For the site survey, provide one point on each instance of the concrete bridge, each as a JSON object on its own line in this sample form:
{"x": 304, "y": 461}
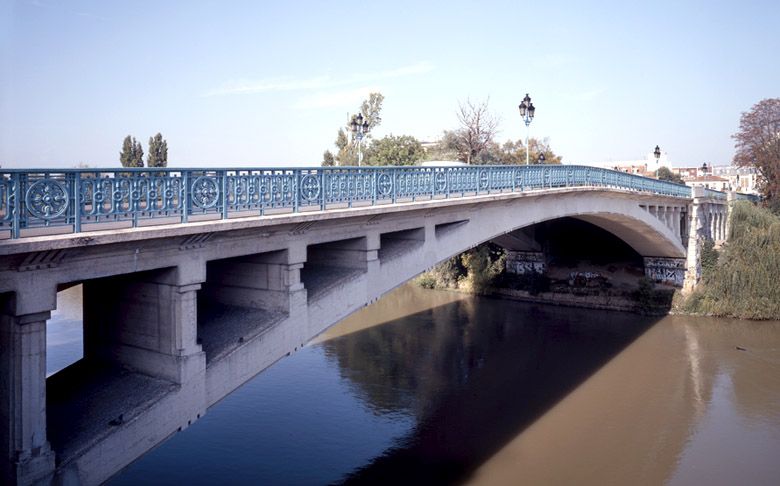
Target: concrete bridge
{"x": 196, "y": 280}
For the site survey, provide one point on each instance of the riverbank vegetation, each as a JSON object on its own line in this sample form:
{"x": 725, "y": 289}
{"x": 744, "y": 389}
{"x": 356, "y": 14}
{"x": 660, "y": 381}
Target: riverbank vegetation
{"x": 742, "y": 279}
{"x": 481, "y": 271}
{"x": 474, "y": 271}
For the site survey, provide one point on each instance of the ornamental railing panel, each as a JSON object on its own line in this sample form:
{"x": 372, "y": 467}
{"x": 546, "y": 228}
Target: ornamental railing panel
{"x": 77, "y": 200}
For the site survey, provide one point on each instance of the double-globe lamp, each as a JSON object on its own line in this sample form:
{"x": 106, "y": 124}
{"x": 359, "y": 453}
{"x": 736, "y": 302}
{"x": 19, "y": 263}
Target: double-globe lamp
{"x": 359, "y": 128}
{"x": 527, "y": 110}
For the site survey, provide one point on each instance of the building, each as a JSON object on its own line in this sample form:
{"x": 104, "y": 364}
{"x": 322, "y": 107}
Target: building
{"x": 721, "y": 178}
{"x": 644, "y": 167}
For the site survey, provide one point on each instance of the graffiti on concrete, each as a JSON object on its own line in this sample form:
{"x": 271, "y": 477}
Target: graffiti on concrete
{"x": 665, "y": 270}
{"x": 521, "y": 262}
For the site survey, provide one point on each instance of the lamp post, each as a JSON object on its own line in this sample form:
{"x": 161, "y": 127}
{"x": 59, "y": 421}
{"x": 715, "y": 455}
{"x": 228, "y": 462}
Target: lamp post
{"x": 359, "y": 129}
{"x": 657, "y": 153}
{"x": 527, "y": 114}
{"x": 541, "y": 158}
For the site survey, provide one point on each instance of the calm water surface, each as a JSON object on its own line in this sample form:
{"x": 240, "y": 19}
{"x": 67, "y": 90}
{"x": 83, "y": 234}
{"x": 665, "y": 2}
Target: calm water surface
{"x": 435, "y": 387}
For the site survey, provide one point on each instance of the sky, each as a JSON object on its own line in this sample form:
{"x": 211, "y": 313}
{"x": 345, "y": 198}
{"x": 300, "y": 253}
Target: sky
{"x": 268, "y": 83}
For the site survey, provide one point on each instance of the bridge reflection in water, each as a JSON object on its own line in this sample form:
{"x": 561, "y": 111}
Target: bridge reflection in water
{"x": 434, "y": 387}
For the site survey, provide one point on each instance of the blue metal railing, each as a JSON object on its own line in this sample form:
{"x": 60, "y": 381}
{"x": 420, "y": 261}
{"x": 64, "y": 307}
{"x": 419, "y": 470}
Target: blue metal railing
{"x": 754, "y": 198}
{"x": 83, "y": 199}
{"x": 712, "y": 193}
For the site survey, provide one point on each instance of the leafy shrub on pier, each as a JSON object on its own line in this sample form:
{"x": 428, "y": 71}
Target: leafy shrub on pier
{"x": 744, "y": 282}
{"x": 483, "y": 265}
{"x": 709, "y": 257}
{"x": 475, "y": 270}
{"x": 443, "y": 276}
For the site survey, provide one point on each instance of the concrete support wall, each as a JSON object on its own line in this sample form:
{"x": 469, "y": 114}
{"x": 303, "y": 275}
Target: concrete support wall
{"x": 25, "y": 454}
{"x": 147, "y": 322}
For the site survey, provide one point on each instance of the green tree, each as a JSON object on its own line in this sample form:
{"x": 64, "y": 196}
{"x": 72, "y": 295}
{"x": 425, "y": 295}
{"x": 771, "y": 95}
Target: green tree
{"x": 758, "y": 145}
{"x": 665, "y": 174}
{"x": 327, "y": 159}
{"x": 392, "y": 150}
{"x": 347, "y": 152}
{"x": 158, "y": 152}
{"x": 371, "y": 109}
{"x": 132, "y": 154}
{"x": 445, "y": 149}
{"x": 513, "y": 152}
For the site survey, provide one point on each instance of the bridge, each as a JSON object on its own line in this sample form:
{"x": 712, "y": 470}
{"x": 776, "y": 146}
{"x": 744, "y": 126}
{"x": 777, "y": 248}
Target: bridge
{"x": 195, "y": 280}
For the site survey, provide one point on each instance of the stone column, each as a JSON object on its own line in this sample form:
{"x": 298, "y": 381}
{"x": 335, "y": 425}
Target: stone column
{"x": 696, "y": 233}
{"x": 26, "y": 454}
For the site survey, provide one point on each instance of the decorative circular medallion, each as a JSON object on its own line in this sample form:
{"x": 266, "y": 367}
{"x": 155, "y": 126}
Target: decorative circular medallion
{"x": 384, "y": 184}
{"x": 310, "y": 187}
{"x": 484, "y": 179}
{"x": 205, "y": 192}
{"x": 46, "y": 198}
{"x": 440, "y": 181}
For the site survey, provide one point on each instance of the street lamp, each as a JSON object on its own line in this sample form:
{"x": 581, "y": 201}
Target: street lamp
{"x": 359, "y": 129}
{"x": 657, "y": 153}
{"x": 541, "y": 158}
{"x": 527, "y": 114}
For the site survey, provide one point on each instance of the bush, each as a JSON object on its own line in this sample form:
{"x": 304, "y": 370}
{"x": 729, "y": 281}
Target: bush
{"x": 483, "y": 265}
{"x": 475, "y": 270}
{"x": 744, "y": 280}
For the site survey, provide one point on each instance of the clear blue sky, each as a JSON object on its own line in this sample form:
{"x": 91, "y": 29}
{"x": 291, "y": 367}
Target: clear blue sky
{"x": 269, "y": 83}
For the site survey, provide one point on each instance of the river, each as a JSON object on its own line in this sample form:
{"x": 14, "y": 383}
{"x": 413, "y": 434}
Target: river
{"x": 439, "y": 387}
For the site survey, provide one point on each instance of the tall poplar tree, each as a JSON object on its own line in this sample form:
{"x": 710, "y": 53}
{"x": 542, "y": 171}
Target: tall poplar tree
{"x": 158, "y": 152}
{"x": 132, "y": 154}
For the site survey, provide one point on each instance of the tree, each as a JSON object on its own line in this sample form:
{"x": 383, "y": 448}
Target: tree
{"x": 513, "y": 153}
{"x": 347, "y": 153}
{"x": 477, "y": 129}
{"x": 132, "y": 154}
{"x": 392, "y": 150}
{"x": 758, "y": 145}
{"x": 665, "y": 174}
{"x": 327, "y": 159}
{"x": 371, "y": 110}
{"x": 158, "y": 152}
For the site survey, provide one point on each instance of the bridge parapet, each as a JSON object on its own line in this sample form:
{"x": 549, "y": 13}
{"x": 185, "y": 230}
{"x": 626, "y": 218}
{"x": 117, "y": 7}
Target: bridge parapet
{"x": 79, "y": 200}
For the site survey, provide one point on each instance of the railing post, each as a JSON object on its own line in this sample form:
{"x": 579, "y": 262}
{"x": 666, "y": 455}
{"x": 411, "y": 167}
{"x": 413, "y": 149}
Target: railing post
{"x": 373, "y": 186}
{"x": 16, "y": 194}
{"x": 224, "y": 194}
{"x": 322, "y": 189}
{"x": 77, "y": 202}
{"x": 395, "y": 186}
{"x": 184, "y": 198}
{"x": 296, "y": 189}
{"x": 133, "y": 204}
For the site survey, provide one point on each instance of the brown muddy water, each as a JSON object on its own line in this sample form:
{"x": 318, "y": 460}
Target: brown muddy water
{"x": 430, "y": 387}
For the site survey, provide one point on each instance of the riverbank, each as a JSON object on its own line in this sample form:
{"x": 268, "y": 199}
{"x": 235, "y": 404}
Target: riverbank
{"x": 741, "y": 279}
